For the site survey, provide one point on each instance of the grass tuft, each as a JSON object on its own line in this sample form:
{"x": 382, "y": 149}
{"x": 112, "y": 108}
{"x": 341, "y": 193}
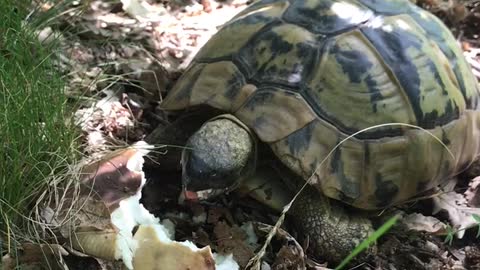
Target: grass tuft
{"x": 36, "y": 140}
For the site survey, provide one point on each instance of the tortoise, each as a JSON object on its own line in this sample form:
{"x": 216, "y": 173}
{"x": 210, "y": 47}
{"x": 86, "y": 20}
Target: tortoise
{"x": 370, "y": 101}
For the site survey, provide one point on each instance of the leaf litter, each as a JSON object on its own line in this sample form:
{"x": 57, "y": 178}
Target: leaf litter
{"x": 123, "y": 56}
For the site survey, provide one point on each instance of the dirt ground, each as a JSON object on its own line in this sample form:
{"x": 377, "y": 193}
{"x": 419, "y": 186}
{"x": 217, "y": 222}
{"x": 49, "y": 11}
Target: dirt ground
{"x": 129, "y": 53}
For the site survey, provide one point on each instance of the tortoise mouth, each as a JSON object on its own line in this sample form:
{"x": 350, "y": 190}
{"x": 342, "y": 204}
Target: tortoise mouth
{"x": 199, "y": 195}
{"x": 195, "y": 191}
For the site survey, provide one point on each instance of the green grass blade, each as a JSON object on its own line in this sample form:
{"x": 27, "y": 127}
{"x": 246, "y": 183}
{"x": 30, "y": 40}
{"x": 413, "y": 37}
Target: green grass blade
{"x": 36, "y": 139}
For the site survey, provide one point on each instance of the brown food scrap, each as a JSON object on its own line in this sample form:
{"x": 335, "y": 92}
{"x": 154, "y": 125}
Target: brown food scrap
{"x": 110, "y": 178}
{"x": 291, "y": 254}
{"x": 152, "y": 253}
{"x": 233, "y": 240}
{"x": 466, "y": 46}
{"x": 207, "y": 6}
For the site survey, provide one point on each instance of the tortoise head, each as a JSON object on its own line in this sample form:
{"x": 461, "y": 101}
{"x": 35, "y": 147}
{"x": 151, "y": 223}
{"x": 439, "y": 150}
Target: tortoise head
{"x": 217, "y": 157}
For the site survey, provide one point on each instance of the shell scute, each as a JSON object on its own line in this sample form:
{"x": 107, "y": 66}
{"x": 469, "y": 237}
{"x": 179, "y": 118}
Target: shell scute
{"x": 372, "y": 174}
{"x": 454, "y": 62}
{"x": 327, "y": 16}
{"x": 262, "y": 110}
{"x": 237, "y": 33}
{"x": 351, "y": 74}
{"x": 219, "y": 84}
{"x": 419, "y": 66}
{"x": 283, "y": 54}
{"x": 388, "y": 7}
{"x": 179, "y": 97}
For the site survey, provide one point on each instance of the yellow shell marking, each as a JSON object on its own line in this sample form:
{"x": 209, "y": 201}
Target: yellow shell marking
{"x": 235, "y": 35}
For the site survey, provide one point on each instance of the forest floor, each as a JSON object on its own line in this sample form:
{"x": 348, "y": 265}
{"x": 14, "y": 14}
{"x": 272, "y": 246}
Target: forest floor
{"x": 120, "y": 58}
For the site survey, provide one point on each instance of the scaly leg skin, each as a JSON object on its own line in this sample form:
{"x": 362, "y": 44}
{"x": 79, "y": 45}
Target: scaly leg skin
{"x": 333, "y": 233}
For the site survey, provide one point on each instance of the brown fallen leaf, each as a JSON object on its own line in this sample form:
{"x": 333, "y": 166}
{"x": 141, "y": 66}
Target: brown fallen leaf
{"x": 142, "y": 10}
{"x": 215, "y": 214}
{"x": 43, "y": 256}
{"x": 108, "y": 115}
{"x": 291, "y": 254}
{"x": 455, "y": 10}
{"x": 201, "y": 237}
{"x": 232, "y": 239}
{"x": 288, "y": 258}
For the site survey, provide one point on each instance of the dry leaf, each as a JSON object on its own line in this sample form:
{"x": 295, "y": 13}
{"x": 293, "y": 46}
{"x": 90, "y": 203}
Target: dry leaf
{"x": 215, "y": 214}
{"x": 291, "y": 255}
{"x": 288, "y": 258}
{"x": 225, "y": 262}
{"x": 472, "y": 194}
{"x": 460, "y": 215}
{"x": 419, "y": 222}
{"x": 233, "y": 240}
{"x": 472, "y": 58}
{"x": 143, "y": 11}
{"x": 108, "y": 115}
{"x": 44, "y": 256}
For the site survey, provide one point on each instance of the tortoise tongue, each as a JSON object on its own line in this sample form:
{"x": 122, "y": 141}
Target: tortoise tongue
{"x": 188, "y": 196}
{"x": 201, "y": 195}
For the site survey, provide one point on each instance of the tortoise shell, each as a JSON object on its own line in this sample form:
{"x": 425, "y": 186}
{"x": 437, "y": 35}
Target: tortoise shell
{"x": 323, "y": 82}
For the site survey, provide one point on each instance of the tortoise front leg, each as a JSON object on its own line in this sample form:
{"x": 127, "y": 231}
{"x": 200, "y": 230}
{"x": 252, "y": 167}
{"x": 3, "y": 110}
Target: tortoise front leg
{"x": 332, "y": 232}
